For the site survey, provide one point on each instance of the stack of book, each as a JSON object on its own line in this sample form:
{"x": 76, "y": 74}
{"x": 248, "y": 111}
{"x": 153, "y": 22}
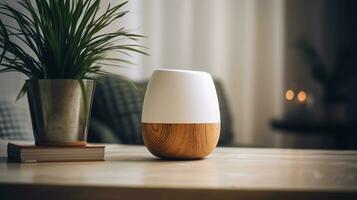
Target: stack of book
{"x": 32, "y": 153}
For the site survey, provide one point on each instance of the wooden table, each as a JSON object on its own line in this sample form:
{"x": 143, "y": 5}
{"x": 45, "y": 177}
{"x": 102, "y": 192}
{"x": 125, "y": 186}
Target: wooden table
{"x": 130, "y": 172}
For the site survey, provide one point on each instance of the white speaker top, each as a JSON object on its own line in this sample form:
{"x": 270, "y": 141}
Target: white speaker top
{"x": 180, "y": 96}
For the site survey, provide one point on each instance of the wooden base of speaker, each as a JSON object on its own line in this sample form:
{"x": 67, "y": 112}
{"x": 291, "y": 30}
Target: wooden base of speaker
{"x": 180, "y": 141}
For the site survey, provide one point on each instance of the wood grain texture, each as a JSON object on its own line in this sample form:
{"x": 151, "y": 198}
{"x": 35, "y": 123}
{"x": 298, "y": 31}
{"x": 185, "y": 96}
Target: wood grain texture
{"x": 131, "y": 172}
{"x": 180, "y": 141}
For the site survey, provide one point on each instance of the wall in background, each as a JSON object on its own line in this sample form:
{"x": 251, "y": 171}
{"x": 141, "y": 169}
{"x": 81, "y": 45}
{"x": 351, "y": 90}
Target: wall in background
{"x": 328, "y": 24}
{"x": 239, "y": 42}
{"x": 245, "y": 43}
{"x": 11, "y": 83}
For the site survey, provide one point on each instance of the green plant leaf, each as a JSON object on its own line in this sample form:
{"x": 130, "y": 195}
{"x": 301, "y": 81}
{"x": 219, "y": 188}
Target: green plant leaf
{"x": 314, "y": 61}
{"x": 63, "y": 39}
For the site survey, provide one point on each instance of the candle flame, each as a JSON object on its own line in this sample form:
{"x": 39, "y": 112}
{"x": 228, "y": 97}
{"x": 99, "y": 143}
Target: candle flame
{"x": 289, "y": 95}
{"x": 302, "y": 96}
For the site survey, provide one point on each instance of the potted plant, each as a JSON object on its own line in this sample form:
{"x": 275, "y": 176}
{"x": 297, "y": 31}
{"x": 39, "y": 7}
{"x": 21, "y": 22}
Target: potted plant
{"x": 59, "y": 45}
{"x": 334, "y": 80}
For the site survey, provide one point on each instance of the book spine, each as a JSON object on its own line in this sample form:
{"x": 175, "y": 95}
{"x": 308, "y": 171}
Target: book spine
{"x": 13, "y": 153}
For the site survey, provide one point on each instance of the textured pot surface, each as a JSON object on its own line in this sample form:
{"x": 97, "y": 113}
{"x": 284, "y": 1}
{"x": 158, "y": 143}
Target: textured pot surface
{"x": 60, "y": 110}
{"x": 181, "y": 141}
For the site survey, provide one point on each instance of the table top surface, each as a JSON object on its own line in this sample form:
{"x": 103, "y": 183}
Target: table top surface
{"x": 230, "y": 169}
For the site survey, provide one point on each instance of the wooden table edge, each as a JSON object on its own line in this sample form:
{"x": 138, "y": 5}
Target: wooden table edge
{"x": 58, "y": 191}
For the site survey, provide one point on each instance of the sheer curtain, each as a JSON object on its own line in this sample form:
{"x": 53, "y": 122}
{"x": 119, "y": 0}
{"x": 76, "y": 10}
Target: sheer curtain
{"x": 239, "y": 42}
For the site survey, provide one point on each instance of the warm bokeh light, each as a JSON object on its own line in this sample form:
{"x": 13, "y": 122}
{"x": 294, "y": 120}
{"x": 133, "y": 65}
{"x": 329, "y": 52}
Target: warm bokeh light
{"x": 302, "y": 96}
{"x": 289, "y": 95}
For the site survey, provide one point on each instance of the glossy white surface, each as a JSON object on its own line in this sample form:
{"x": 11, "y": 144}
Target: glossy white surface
{"x": 180, "y": 96}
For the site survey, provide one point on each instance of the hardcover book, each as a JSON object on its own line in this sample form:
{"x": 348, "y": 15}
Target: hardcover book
{"x": 32, "y": 153}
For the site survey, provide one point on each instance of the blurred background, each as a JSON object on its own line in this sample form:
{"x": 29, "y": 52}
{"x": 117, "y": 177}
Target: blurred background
{"x": 287, "y": 68}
